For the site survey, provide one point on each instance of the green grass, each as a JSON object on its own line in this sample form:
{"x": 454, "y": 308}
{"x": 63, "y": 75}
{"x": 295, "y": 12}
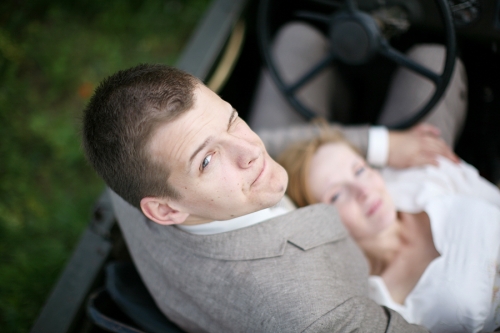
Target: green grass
{"x": 52, "y": 56}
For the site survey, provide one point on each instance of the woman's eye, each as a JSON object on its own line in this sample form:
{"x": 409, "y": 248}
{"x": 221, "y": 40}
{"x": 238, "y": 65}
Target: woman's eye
{"x": 205, "y": 162}
{"x": 359, "y": 171}
{"x": 334, "y": 198}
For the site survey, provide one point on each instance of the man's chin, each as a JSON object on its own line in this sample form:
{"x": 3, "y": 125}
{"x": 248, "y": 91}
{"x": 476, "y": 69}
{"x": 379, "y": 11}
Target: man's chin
{"x": 280, "y": 179}
{"x": 274, "y": 199}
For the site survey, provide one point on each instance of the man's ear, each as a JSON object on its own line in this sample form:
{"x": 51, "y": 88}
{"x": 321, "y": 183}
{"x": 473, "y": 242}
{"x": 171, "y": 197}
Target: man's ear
{"x": 159, "y": 211}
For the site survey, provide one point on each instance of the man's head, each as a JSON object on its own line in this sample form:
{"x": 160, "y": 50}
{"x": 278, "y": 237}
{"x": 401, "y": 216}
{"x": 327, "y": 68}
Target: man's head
{"x": 169, "y": 145}
{"x": 124, "y": 112}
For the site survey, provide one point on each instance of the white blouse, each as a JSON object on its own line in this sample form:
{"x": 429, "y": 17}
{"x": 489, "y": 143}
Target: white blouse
{"x": 458, "y": 291}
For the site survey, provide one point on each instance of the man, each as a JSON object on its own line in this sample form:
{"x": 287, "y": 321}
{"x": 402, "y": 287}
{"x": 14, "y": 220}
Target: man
{"x": 171, "y": 147}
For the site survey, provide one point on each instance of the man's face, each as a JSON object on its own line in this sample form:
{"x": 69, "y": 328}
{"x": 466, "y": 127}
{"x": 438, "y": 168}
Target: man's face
{"x": 217, "y": 163}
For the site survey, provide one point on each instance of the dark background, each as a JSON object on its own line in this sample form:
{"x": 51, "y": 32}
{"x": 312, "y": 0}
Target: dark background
{"x": 53, "y": 53}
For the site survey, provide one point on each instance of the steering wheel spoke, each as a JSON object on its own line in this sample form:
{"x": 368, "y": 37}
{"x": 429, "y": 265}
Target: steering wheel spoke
{"x": 310, "y": 74}
{"x": 391, "y": 53}
{"x": 351, "y": 5}
{"x": 330, "y": 3}
{"x": 313, "y": 16}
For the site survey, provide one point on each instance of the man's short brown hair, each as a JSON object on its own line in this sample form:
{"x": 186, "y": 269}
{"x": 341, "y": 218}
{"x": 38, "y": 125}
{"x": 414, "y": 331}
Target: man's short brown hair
{"x": 122, "y": 116}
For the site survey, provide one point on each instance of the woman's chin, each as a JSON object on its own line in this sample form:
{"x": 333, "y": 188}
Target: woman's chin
{"x": 385, "y": 221}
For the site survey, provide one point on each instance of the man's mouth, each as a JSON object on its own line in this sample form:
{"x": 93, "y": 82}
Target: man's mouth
{"x": 374, "y": 207}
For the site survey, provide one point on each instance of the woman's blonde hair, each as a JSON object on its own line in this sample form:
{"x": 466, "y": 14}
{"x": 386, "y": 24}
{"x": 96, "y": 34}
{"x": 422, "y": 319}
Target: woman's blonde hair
{"x": 296, "y": 160}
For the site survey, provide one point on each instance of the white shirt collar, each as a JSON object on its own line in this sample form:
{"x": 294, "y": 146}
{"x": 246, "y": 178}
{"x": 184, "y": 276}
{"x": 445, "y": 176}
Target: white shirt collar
{"x": 217, "y": 227}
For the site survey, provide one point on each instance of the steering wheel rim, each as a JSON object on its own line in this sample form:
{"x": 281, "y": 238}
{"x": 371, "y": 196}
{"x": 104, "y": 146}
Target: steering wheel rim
{"x": 380, "y": 46}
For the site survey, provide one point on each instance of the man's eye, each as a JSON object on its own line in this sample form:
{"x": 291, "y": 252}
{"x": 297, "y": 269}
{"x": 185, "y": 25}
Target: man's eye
{"x": 359, "y": 171}
{"x": 205, "y": 162}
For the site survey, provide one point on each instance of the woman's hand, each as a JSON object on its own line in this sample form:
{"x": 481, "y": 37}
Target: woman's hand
{"x": 419, "y": 145}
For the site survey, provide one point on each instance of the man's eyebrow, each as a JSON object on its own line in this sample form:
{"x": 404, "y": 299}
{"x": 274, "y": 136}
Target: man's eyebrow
{"x": 231, "y": 118}
{"x": 200, "y": 148}
{"x": 207, "y": 141}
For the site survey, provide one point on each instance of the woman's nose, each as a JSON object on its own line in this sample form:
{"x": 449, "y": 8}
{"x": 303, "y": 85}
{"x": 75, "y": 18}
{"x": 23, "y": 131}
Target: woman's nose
{"x": 361, "y": 192}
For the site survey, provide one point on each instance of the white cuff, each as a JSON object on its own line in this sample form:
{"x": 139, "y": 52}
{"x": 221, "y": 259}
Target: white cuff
{"x": 378, "y": 146}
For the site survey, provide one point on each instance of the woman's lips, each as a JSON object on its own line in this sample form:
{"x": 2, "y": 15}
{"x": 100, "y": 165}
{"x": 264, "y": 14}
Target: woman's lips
{"x": 374, "y": 207}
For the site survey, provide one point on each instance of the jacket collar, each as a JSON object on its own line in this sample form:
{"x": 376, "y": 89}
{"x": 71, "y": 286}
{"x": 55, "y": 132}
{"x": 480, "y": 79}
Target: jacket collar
{"x": 306, "y": 228}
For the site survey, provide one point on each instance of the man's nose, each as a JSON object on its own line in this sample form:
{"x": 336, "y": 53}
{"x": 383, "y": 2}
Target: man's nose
{"x": 245, "y": 152}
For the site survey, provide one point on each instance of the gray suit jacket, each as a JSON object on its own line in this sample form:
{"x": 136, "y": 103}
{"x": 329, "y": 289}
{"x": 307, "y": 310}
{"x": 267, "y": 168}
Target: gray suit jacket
{"x": 299, "y": 272}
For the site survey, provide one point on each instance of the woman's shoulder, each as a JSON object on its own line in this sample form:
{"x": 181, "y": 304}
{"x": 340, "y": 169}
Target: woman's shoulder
{"x": 466, "y": 233}
{"x": 459, "y": 221}
{"x": 455, "y": 290}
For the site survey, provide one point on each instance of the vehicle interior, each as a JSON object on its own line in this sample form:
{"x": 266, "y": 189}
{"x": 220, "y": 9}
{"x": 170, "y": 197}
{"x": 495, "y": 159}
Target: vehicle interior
{"x": 100, "y": 290}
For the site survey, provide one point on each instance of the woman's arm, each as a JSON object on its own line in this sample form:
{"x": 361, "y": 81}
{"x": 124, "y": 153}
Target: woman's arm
{"x": 276, "y": 140}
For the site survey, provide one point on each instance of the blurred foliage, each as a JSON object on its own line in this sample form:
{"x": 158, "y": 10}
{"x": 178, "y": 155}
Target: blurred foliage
{"x": 53, "y": 53}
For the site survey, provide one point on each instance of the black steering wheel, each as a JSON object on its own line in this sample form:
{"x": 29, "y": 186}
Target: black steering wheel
{"x": 355, "y": 38}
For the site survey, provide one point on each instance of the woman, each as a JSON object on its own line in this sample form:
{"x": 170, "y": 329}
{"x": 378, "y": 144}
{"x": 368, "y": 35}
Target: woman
{"x": 431, "y": 234}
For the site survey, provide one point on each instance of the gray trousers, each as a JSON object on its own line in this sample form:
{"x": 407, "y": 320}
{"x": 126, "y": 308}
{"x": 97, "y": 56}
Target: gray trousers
{"x": 298, "y": 46}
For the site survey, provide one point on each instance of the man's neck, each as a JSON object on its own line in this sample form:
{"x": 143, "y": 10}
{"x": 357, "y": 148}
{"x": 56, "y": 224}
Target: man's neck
{"x": 215, "y": 227}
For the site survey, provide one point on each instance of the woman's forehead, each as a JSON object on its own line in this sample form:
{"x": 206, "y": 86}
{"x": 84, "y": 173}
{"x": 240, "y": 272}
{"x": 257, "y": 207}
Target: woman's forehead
{"x": 332, "y": 164}
{"x": 337, "y": 152}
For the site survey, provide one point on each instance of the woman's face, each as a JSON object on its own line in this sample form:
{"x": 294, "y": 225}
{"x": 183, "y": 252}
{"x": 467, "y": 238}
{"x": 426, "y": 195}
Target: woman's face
{"x": 341, "y": 177}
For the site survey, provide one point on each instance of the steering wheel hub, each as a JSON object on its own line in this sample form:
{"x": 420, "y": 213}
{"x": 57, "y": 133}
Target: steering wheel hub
{"x": 355, "y": 37}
